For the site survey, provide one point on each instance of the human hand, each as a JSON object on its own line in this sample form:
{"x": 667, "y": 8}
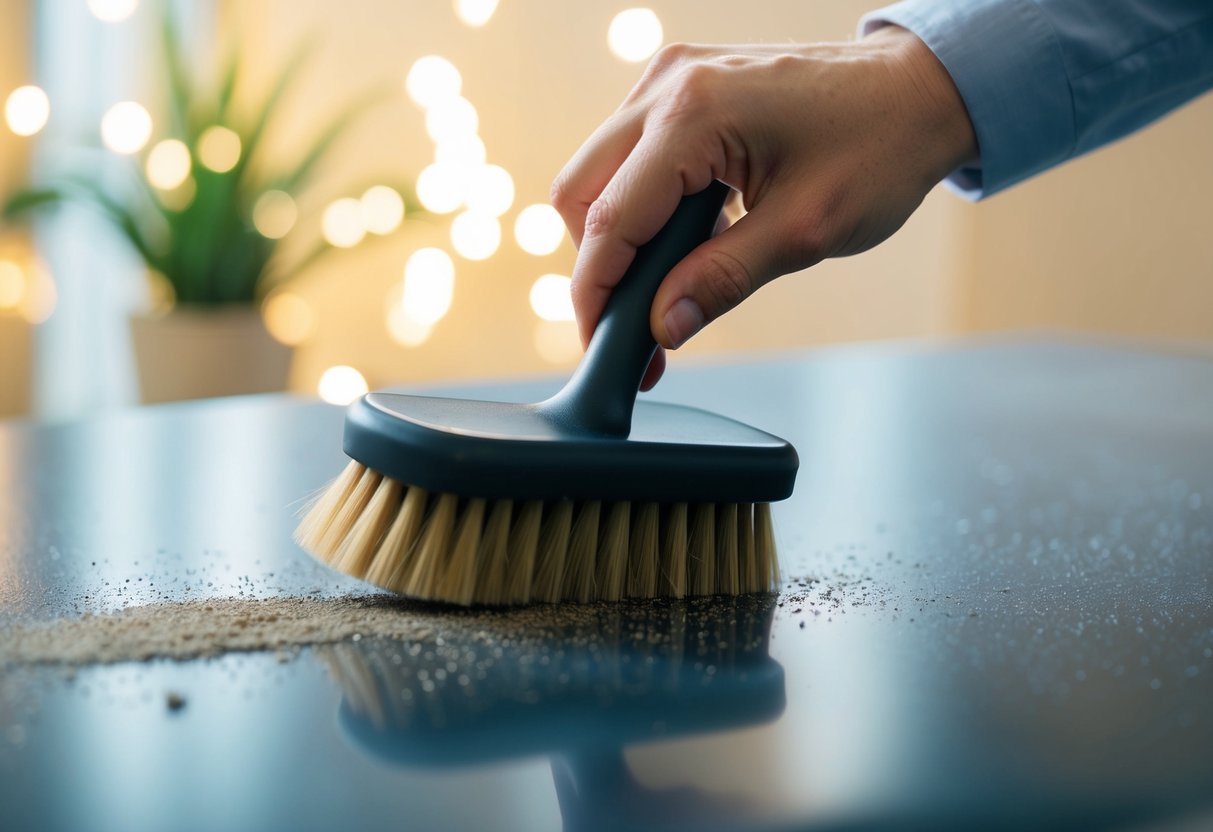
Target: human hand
{"x": 832, "y": 147}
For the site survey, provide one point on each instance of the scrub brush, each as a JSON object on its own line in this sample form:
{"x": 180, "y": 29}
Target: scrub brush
{"x": 587, "y": 496}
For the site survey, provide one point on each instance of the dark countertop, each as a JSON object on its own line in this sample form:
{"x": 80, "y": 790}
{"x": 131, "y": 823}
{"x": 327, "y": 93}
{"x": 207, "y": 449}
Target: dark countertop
{"x": 998, "y": 614}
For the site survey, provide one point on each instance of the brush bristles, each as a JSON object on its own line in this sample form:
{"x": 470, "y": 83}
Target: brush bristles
{"x": 476, "y": 551}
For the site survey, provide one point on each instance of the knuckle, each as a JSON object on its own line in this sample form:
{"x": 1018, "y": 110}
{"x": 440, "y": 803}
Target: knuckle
{"x": 560, "y": 193}
{"x": 670, "y": 55}
{"x": 602, "y": 217}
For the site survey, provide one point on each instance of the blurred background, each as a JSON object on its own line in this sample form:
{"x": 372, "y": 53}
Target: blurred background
{"x": 216, "y": 197}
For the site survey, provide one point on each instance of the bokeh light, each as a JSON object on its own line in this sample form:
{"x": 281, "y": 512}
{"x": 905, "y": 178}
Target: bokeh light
{"x": 12, "y": 285}
{"x": 551, "y": 298}
{"x": 490, "y": 190}
{"x": 451, "y": 118}
{"x": 635, "y": 34}
{"x": 168, "y": 164}
{"x": 288, "y": 317}
{"x": 475, "y": 236}
{"x": 112, "y": 11}
{"x": 467, "y": 150}
{"x": 41, "y": 296}
{"x": 341, "y": 385}
{"x": 432, "y": 79}
{"x": 179, "y": 198}
{"x": 404, "y": 330}
{"x": 274, "y": 214}
{"x": 442, "y": 186}
{"x": 219, "y": 148}
{"x": 343, "y": 224}
{"x": 539, "y": 229}
{"x": 382, "y": 209}
{"x": 26, "y": 110}
{"x": 475, "y": 12}
{"x": 126, "y": 127}
{"x": 429, "y": 286}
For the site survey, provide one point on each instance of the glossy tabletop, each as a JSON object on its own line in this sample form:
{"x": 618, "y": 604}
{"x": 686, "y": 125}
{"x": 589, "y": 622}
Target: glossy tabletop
{"x": 997, "y": 613}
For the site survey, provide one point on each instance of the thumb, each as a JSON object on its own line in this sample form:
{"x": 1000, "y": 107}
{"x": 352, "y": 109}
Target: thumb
{"x": 717, "y": 276}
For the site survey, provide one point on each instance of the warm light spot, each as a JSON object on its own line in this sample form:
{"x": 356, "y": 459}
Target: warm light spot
{"x": 112, "y": 11}
{"x": 557, "y": 342}
{"x": 219, "y": 148}
{"x": 343, "y": 224}
{"x": 475, "y": 236}
{"x": 161, "y": 295}
{"x": 168, "y": 164}
{"x": 539, "y": 229}
{"x": 475, "y": 12}
{"x": 341, "y": 385}
{"x": 466, "y": 150}
{"x": 12, "y": 284}
{"x": 382, "y": 209}
{"x": 451, "y": 118}
{"x": 288, "y": 317}
{"x": 429, "y": 286}
{"x": 442, "y": 186}
{"x": 27, "y": 110}
{"x": 126, "y": 127}
{"x": 432, "y": 79}
{"x": 41, "y": 296}
{"x": 179, "y": 198}
{"x": 490, "y": 190}
{"x": 551, "y": 298}
{"x": 274, "y": 214}
{"x": 635, "y": 34}
{"x": 404, "y": 330}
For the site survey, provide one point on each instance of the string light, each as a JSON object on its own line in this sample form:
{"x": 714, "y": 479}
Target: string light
{"x": 126, "y": 127}
{"x": 274, "y": 214}
{"x": 475, "y": 236}
{"x": 429, "y": 286}
{"x": 219, "y": 148}
{"x": 539, "y": 229}
{"x": 341, "y": 385}
{"x": 441, "y": 187}
{"x": 451, "y": 118}
{"x": 551, "y": 298}
{"x": 432, "y": 79}
{"x": 475, "y": 12}
{"x": 490, "y": 190}
{"x": 168, "y": 164}
{"x": 26, "y": 110}
{"x": 467, "y": 151}
{"x": 382, "y": 209}
{"x": 635, "y": 34}
{"x": 403, "y": 329}
{"x": 342, "y": 224}
{"x": 112, "y": 11}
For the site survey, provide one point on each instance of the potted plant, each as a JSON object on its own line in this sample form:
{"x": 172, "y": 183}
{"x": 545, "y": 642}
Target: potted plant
{"x": 207, "y": 220}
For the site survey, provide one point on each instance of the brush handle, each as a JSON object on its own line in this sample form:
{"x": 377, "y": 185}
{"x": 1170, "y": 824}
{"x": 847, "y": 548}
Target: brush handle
{"x": 599, "y": 397}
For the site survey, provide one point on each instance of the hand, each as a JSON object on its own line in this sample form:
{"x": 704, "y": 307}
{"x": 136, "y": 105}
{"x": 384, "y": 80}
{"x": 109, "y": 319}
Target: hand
{"x": 832, "y": 147}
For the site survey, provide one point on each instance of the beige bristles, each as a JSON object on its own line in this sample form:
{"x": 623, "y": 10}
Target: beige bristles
{"x": 613, "y": 558}
{"x": 478, "y": 551}
{"x": 579, "y": 579}
{"x": 674, "y": 552}
{"x": 701, "y": 553}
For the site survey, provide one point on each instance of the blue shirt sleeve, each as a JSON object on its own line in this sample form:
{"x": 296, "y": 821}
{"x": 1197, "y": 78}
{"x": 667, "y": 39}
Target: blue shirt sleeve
{"x": 1047, "y": 80}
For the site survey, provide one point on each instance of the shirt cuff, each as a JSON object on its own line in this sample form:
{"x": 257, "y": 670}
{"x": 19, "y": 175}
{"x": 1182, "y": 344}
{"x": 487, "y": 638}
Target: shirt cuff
{"x": 1004, "y": 57}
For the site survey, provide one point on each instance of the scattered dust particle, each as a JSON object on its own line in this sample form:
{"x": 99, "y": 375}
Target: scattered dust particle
{"x": 174, "y": 701}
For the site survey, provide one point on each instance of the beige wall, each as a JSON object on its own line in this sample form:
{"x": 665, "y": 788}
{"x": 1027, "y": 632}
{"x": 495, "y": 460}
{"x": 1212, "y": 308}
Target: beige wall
{"x": 1116, "y": 242}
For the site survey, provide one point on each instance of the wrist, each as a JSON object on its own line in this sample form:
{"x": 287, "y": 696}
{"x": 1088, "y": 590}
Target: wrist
{"x": 934, "y": 108}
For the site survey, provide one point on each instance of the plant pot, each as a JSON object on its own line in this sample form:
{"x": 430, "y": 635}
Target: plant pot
{"x": 194, "y": 353}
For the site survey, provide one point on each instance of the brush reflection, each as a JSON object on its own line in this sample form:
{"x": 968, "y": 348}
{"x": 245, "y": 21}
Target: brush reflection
{"x": 618, "y": 675}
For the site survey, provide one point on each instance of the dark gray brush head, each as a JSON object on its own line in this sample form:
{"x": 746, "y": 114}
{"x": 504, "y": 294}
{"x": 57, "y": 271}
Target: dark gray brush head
{"x": 516, "y": 451}
{"x": 592, "y": 440}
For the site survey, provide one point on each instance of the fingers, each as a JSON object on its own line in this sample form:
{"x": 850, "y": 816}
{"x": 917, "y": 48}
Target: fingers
{"x": 582, "y": 179}
{"x": 654, "y": 372}
{"x": 726, "y": 270}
